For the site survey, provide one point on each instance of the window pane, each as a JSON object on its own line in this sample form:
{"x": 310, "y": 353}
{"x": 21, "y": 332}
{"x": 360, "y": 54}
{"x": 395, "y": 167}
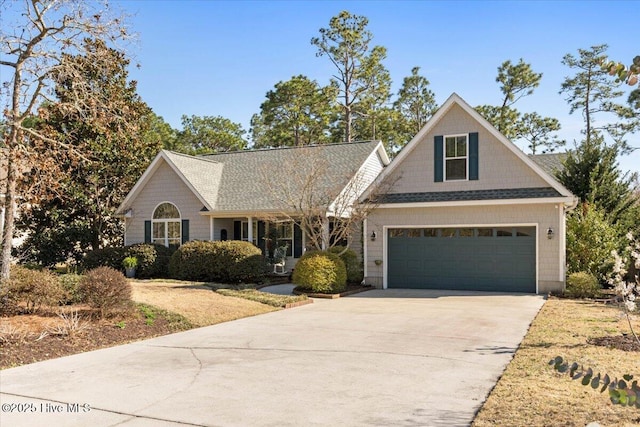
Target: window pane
{"x": 173, "y": 230}
{"x": 466, "y": 232}
{"x": 158, "y": 230}
{"x": 166, "y": 211}
{"x": 430, "y": 232}
{"x": 456, "y": 169}
{"x": 414, "y": 232}
{"x": 285, "y": 230}
{"x": 522, "y": 232}
{"x": 461, "y": 146}
{"x": 504, "y": 232}
{"x": 396, "y": 232}
{"x": 448, "y": 232}
{"x": 485, "y": 232}
{"x": 450, "y": 146}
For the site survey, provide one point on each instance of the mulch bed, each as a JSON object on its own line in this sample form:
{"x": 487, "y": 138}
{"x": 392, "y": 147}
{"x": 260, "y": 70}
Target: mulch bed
{"x": 620, "y": 342}
{"x": 21, "y": 350}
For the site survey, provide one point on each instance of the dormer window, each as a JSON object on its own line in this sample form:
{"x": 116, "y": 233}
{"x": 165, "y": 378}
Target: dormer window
{"x": 455, "y": 157}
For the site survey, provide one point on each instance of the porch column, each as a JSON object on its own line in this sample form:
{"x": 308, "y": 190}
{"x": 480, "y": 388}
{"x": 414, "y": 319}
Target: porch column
{"x": 250, "y": 229}
{"x": 211, "y": 228}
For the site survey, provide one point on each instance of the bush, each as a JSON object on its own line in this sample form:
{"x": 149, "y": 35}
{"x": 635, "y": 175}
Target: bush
{"x": 31, "y": 289}
{"x": 351, "y": 263}
{"x": 105, "y": 257}
{"x": 71, "y": 287}
{"x": 228, "y": 262}
{"x": 582, "y": 285}
{"x": 320, "y": 271}
{"x": 153, "y": 259}
{"x": 106, "y": 289}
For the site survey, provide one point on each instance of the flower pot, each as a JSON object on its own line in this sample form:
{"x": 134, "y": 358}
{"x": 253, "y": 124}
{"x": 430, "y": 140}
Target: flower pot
{"x": 130, "y": 272}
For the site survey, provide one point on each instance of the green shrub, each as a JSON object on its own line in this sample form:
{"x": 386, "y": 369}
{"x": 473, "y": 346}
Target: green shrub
{"x": 31, "y": 289}
{"x": 153, "y": 259}
{"x": 70, "y": 283}
{"x": 105, "y": 257}
{"x": 106, "y": 289}
{"x": 351, "y": 263}
{"x": 229, "y": 262}
{"x": 582, "y": 285}
{"x": 320, "y": 271}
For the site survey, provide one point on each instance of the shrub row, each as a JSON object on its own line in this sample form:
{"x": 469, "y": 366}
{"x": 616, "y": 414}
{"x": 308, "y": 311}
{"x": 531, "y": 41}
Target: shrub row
{"x": 229, "y": 262}
{"x": 103, "y": 288}
{"x": 153, "y": 259}
{"x": 582, "y": 285}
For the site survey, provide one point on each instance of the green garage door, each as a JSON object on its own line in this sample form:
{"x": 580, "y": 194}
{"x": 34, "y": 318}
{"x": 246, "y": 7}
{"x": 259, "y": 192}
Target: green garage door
{"x": 484, "y": 259}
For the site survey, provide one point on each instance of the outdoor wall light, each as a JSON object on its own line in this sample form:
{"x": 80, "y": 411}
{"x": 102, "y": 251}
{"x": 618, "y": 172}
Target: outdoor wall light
{"x": 550, "y": 233}
{"x": 373, "y": 236}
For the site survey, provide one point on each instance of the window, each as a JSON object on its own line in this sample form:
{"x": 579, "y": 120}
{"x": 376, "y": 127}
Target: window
{"x": 166, "y": 225}
{"x": 414, "y": 232}
{"x": 455, "y": 157}
{"x": 396, "y": 232}
{"x": 284, "y": 236}
{"x": 245, "y": 231}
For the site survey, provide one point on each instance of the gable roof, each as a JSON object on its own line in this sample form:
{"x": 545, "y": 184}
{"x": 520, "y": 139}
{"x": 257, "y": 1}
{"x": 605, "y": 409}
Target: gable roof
{"x": 455, "y": 99}
{"x": 234, "y": 181}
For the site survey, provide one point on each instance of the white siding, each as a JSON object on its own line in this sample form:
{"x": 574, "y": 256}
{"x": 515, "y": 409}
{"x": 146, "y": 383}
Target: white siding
{"x": 550, "y": 251}
{"x": 498, "y": 167}
{"x": 166, "y": 186}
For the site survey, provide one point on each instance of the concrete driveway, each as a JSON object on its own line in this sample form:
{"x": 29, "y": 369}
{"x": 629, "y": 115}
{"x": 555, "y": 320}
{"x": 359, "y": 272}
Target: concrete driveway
{"x": 380, "y": 358}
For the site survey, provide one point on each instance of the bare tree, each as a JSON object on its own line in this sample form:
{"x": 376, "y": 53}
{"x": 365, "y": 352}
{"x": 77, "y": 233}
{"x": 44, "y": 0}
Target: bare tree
{"x": 325, "y": 205}
{"x": 34, "y": 39}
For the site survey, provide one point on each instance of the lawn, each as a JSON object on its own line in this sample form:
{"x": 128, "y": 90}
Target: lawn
{"x": 160, "y": 308}
{"x": 531, "y": 393}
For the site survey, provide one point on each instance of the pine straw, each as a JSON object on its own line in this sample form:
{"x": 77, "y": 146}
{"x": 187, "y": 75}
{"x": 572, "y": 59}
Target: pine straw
{"x": 531, "y": 393}
{"x": 198, "y": 303}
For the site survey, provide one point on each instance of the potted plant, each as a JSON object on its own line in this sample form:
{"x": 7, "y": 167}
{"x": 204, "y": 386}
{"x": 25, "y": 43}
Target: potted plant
{"x": 130, "y": 263}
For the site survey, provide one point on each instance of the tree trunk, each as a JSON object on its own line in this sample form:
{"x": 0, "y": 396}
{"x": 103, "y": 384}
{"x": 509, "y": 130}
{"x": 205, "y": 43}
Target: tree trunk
{"x": 9, "y": 212}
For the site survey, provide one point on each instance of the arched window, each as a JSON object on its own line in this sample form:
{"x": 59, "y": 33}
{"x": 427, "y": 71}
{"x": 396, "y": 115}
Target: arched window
{"x": 166, "y": 225}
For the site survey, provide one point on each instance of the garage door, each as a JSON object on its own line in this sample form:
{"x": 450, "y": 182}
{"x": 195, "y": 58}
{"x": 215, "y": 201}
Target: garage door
{"x": 485, "y": 258}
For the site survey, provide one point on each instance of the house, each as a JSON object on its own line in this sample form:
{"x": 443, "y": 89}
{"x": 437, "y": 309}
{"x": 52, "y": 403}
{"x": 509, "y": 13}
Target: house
{"x": 247, "y": 195}
{"x": 468, "y": 210}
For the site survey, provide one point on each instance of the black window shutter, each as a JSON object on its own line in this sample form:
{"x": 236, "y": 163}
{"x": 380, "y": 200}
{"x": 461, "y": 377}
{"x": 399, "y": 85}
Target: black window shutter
{"x": 237, "y": 230}
{"x": 147, "y": 231}
{"x": 297, "y": 241}
{"x": 185, "y": 230}
{"x": 438, "y": 151}
{"x": 261, "y": 233}
{"x": 473, "y": 156}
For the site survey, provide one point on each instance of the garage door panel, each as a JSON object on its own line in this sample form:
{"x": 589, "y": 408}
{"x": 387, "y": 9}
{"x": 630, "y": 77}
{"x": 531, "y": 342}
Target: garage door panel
{"x": 493, "y": 259}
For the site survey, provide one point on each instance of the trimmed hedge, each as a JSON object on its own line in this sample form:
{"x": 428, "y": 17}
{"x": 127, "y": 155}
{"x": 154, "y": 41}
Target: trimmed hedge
{"x": 153, "y": 259}
{"x": 351, "y": 263}
{"x": 321, "y": 272}
{"x": 230, "y": 261}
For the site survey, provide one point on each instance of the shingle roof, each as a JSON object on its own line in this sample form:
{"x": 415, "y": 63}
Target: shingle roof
{"x": 551, "y": 163}
{"x": 237, "y": 181}
{"x": 471, "y": 195}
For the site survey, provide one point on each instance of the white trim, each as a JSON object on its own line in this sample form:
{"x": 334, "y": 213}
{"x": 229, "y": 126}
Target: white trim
{"x": 385, "y": 228}
{"x": 490, "y": 202}
{"x": 148, "y": 173}
{"x": 455, "y": 99}
{"x": 211, "y": 228}
{"x": 444, "y": 157}
{"x": 562, "y": 234}
{"x": 365, "y": 248}
{"x": 166, "y": 221}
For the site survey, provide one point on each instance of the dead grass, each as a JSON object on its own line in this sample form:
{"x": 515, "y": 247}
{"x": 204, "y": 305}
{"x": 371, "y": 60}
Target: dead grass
{"x": 197, "y": 302}
{"x": 531, "y": 393}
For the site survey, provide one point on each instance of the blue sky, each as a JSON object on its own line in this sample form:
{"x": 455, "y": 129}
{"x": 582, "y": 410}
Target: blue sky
{"x": 220, "y": 58}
